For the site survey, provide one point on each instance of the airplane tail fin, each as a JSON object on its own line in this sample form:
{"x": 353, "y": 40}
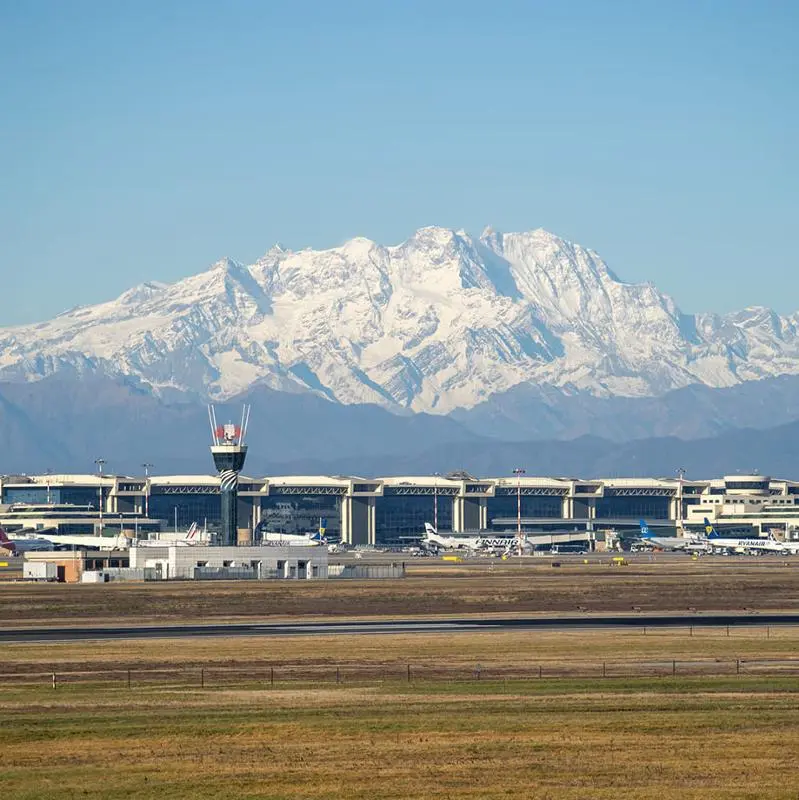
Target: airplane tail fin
{"x": 193, "y": 530}
{"x": 6, "y": 543}
{"x": 429, "y": 529}
{"x": 645, "y": 533}
{"x": 710, "y": 531}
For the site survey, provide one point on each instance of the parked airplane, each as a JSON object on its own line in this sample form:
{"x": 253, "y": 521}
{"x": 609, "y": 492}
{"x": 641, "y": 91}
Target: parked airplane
{"x": 61, "y": 541}
{"x": 315, "y": 539}
{"x": 767, "y": 544}
{"x": 193, "y": 536}
{"x": 669, "y": 542}
{"x": 294, "y": 539}
{"x": 475, "y": 542}
{"x": 23, "y": 544}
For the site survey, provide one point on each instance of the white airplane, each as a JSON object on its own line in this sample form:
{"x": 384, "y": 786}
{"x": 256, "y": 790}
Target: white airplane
{"x": 760, "y": 544}
{"x": 475, "y": 542}
{"x": 23, "y": 543}
{"x": 684, "y": 543}
{"x": 294, "y": 539}
{"x": 120, "y": 542}
{"x": 193, "y": 536}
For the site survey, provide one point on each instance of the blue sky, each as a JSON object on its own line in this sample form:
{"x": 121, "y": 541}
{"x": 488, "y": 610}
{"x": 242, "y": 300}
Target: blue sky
{"x": 143, "y": 141}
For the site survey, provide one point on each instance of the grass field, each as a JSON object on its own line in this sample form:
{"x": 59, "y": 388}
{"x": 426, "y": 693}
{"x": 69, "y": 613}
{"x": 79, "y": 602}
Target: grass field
{"x": 375, "y": 734}
{"x": 660, "y": 585}
{"x": 694, "y": 737}
{"x": 568, "y": 739}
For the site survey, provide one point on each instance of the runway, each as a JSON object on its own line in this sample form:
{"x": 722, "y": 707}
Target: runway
{"x": 394, "y": 626}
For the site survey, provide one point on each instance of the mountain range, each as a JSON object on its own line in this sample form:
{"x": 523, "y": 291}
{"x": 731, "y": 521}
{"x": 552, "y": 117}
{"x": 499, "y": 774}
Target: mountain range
{"x": 367, "y": 354}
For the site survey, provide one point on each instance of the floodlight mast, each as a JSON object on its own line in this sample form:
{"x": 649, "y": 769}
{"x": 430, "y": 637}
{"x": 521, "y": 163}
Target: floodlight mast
{"x": 518, "y": 472}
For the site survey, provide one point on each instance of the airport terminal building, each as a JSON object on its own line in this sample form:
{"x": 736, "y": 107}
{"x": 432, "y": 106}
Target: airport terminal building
{"x": 391, "y": 511}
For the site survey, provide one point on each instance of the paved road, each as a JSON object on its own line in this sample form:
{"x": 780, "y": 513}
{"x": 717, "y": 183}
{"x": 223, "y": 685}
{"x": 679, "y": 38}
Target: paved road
{"x": 393, "y": 626}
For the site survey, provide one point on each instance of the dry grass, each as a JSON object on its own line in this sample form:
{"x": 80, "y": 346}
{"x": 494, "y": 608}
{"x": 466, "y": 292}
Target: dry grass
{"x": 709, "y": 737}
{"x": 462, "y": 650}
{"x": 475, "y": 741}
{"x": 662, "y": 585}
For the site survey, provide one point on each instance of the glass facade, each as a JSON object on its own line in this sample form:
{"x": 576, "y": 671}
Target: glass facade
{"x": 505, "y": 507}
{"x": 749, "y": 486}
{"x": 204, "y": 509}
{"x": 30, "y": 495}
{"x": 633, "y": 507}
{"x": 302, "y": 513}
{"x": 81, "y": 495}
{"x": 400, "y": 517}
{"x": 40, "y": 495}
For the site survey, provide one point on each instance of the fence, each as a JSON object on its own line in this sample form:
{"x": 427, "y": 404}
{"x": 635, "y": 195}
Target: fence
{"x": 367, "y": 571}
{"x": 225, "y": 574}
{"x": 208, "y": 677}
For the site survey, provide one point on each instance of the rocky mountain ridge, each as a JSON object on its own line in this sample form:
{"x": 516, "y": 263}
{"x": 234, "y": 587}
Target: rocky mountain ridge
{"x": 440, "y": 322}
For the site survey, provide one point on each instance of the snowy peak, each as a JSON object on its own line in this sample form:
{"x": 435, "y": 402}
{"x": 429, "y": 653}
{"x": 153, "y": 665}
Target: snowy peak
{"x": 440, "y": 321}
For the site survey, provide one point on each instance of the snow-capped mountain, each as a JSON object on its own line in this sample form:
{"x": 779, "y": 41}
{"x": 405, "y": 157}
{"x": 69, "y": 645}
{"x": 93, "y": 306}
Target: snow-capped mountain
{"x": 441, "y": 321}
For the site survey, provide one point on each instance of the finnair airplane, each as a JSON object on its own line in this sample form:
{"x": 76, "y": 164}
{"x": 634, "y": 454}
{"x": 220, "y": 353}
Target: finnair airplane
{"x": 475, "y": 542}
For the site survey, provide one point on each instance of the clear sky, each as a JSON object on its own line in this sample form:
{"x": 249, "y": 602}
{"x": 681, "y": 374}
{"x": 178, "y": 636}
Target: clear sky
{"x": 145, "y": 140}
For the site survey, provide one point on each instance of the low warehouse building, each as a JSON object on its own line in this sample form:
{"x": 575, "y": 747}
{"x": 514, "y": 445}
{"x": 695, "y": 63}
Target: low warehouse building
{"x": 223, "y": 563}
{"x": 69, "y": 566}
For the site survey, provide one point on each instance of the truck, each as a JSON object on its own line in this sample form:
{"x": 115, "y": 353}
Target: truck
{"x": 39, "y": 571}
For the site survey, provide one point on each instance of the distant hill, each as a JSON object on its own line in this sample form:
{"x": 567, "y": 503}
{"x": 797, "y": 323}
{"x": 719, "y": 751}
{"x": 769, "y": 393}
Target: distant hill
{"x": 64, "y": 423}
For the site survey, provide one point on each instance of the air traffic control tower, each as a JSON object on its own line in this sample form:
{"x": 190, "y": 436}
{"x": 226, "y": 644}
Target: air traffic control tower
{"x": 229, "y": 452}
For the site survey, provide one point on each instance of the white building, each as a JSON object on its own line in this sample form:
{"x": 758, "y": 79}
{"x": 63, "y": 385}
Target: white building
{"x": 260, "y": 563}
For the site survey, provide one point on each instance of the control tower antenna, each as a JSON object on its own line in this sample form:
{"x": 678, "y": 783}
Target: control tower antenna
{"x": 229, "y": 452}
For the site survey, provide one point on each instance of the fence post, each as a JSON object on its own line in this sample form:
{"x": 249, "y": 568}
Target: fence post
{"x": 55, "y": 681}
{"x": 409, "y": 673}
{"x": 128, "y": 679}
{"x": 271, "y": 676}
{"x": 604, "y": 670}
{"x": 737, "y": 666}
{"x": 692, "y": 630}
{"x": 674, "y": 668}
{"x": 338, "y": 675}
{"x": 540, "y": 671}
{"x": 202, "y": 678}
{"x": 728, "y": 631}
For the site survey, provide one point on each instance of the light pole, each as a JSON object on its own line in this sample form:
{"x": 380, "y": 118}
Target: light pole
{"x": 147, "y": 468}
{"x": 435, "y": 501}
{"x": 680, "y": 522}
{"x": 518, "y": 472}
{"x": 100, "y": 462}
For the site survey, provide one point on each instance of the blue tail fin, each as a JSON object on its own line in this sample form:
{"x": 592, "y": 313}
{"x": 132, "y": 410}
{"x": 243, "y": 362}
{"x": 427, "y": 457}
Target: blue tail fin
{"x": 645, "y": 533}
